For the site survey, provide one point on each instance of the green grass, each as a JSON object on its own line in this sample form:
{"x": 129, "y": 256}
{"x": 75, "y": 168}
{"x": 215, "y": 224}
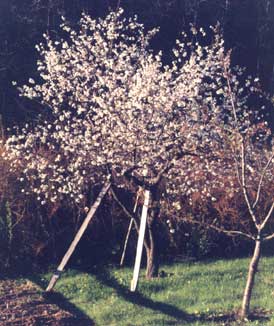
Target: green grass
{"x": 200, "y": 294}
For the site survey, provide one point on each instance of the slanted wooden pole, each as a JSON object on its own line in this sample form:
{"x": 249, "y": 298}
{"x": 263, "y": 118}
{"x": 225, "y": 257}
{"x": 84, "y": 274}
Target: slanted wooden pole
{"x": 126, "y": 241}
{"x": 78, "y": 236}
{"x": 129, "y": 230}
{"x": 140, "y": 243}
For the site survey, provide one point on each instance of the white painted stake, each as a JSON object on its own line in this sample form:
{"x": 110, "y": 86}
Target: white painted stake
{"x": 78, "y": 236}
{"x": 140, "y": 244}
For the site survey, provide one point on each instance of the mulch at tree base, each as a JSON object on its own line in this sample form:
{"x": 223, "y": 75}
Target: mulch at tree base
{"x": 22, "y": 304}
{"x": 232, "y": 318}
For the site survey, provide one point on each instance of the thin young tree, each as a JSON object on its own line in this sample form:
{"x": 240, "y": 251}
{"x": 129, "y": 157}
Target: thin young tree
{"x": 231, "y": 191}
{"x": 254, "y": 162}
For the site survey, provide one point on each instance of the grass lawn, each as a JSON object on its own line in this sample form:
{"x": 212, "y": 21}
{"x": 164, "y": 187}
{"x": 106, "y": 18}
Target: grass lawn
{"x": 200, "y": 293}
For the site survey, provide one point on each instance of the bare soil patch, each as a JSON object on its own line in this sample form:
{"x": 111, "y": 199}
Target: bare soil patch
{"x": 22, "y": 304}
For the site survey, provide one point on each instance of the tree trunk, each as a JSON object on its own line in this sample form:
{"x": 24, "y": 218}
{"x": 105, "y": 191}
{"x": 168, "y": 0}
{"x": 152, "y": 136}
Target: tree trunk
{"x": 253, "y": 267}
{"x": 152, "y": 269}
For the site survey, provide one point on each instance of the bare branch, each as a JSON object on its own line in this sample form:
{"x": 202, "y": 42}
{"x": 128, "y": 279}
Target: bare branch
{"x": 244, "y": 188}
{"x": 231, "y": 94}
{"x": 237, "y": 168}
{"x": 269, "y": 237}
{"x": 125, "y": 210}
{"x": 221, "y": 230}
{"x": 267, "y": 217}
{"x": 261, "y": 181}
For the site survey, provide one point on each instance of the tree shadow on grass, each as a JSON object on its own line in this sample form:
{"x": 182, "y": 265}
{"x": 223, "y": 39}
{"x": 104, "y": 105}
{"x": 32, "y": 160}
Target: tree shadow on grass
{"x": 181, "y": 317}
{"x": 79, "y": 317}
{"x": 139, "y": 299}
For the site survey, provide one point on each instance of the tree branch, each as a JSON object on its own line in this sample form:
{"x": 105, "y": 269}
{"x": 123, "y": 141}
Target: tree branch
{"x": 269, "y": 237}
{"x": 218, "y": 229}
{"x": 244, "y": 188}
{"x": 267, "y": 216}
{"x": 261, "y": 180}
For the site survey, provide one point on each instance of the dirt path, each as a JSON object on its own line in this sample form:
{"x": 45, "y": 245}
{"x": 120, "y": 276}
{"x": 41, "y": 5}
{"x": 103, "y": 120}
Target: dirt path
{"x": 22, "y": 304}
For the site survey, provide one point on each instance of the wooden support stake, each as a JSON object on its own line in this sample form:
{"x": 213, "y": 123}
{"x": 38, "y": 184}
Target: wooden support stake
{"x": 140, "y": 243}
{"x": 126, "y": 241}
{"x": 78, "y": 236}
{"x": 129, "y": 230}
